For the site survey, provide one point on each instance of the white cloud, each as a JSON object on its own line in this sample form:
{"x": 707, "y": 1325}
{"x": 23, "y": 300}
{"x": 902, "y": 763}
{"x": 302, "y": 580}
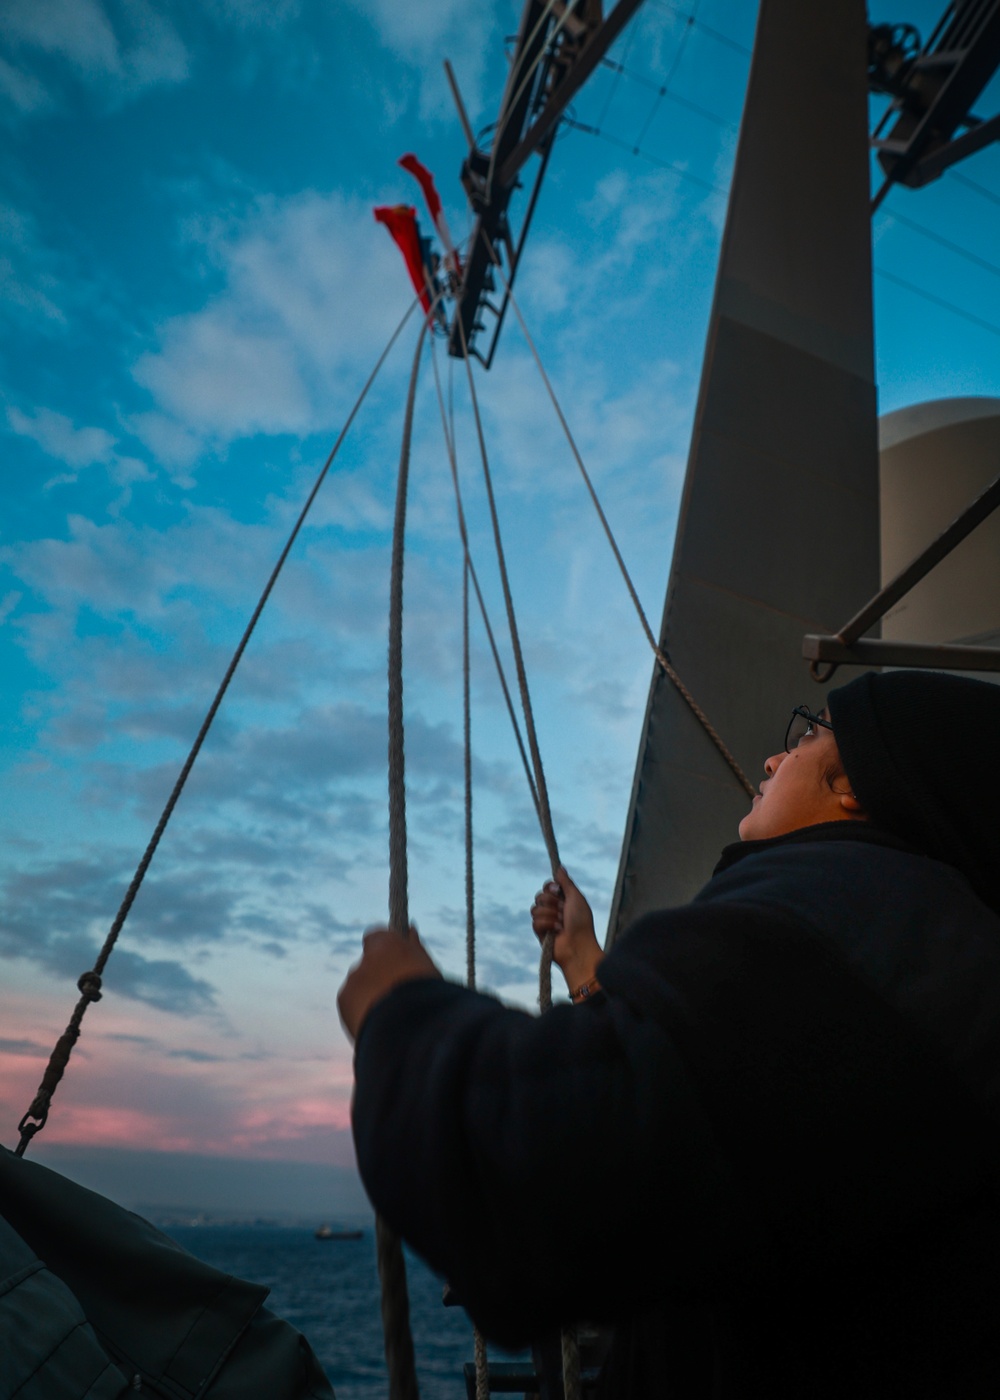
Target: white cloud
{"x": 79, "y": 448}
{"x": 220, "y": 375}
{"x": 551, "y": 276}
{"x": 154, "y": 52}
{"x": 125, "y": 570}
{"x": 170, "y": 443}
{"x": 96, "y": 567}
{"x": 254, "y": 14}
{"x": 617, "y": 263}
{"x": 27, "y": 281}
{"x": 77, "y": 30}
{"x": 23, "y": 89}
{"x": 464, "y": 31}
{"x": 8, "y": 603}
{"x": 304, "y": 306}
{"x": 56, "y": 435}
{"x": 631, "y": 208}
{"x": 121, "y": 46}
{"x": 716, "y": 205}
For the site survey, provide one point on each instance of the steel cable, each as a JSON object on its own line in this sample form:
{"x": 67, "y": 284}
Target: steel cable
{"x": 570, "y": 1350}
{"x": 89, "y": 984}
{"x": 463, "y": 532}
{"x": 658, "y": 651}
{"x": 544, "y": 812}
{"x": 396, "y": 1333}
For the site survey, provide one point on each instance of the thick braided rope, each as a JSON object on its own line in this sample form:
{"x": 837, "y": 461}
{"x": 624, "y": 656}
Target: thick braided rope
{"x": 545, "y": 974}
{"x": 90, "y": 983}
{"x": 398, "y": 1341}
{"x": 447, "y": 423}
{"x": 572, "y": 1383}
{"x": 399, "y": 1356}
{"x": 658, "y": 652}
{"x": 482, "y": 1366}
{"x": 571, "y": 1357}
{"x": 449, "y": 438}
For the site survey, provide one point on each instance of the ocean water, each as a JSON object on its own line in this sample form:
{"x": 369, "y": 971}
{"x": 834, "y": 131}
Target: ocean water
{"x": 329, "y": 1290}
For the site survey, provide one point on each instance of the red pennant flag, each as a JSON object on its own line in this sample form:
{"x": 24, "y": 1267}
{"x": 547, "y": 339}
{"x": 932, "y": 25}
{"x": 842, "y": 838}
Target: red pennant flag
{"x": 434, "y": 208}
{"x": 401, "y": 221}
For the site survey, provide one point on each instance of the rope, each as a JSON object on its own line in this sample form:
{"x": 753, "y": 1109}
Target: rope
{"x": 463, "y": 532}
{"x": 399, "y": 1358}
{"x": 479, "y": 1341}
{"x": 544, "y": 812}
{"x": 658, "y": 651}
{"x": 482, "y": 1366}
{"x": 89, "y": 984}
{"x": 389, "y": 1251}
{"x": 398, "y": 910}
{"x": 570, "y": 1351}
{"x": 672, "y": 73}
{"x": 570, "y": 1364}
{"x": 470, "y": 906}
{"x": 658, "y": 161}
{"x": 618, "y": 71}
{"x": 545, "y": 974}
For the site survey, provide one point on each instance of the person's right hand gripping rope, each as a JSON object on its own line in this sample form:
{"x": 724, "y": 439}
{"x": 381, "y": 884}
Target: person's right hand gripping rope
{"x": 561, "y": 909}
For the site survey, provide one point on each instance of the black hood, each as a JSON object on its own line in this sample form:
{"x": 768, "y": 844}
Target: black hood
{"x": 922, "y": 752}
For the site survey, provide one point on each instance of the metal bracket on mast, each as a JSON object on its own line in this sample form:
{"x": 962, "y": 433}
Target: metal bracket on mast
{"x": 933, "y": 87}
{"x": 826, "y": 653}
{"x": 559, "y": 44}
{"x": 933, "y": 90}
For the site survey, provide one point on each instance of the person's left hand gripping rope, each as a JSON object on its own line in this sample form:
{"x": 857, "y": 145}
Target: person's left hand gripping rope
{"x": 387, "y": 958}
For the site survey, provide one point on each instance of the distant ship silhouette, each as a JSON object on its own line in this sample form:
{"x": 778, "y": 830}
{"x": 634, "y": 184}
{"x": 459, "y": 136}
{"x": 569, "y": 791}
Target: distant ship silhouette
{"x": 325, "y": 1233}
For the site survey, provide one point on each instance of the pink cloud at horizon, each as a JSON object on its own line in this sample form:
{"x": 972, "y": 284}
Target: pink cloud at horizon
{"x": 111, "y": 1099}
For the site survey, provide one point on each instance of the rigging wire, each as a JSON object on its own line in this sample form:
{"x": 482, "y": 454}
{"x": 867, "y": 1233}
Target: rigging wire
{"x": 974, "y": 258}
{"x": 569, "y": 1346}
{"x": 938, "y": 301}
{"x": 470, "y": 884}
{"x": 618, "y": 71}
{"x": 658, "y": 652}
{"x": 396, "y": 1333}
{"x": 658, "y": 161}
{"x": 480, "y": 1358}
{"x": 671, "y": 73}
{"x": 654, "y": 86}
{"x": 89, "y": 983}
{"x": 974, "y": 185}
{"x": 930, "y": 233}
{"x": 706, "y": 29}
{"x": 463, "y": 534}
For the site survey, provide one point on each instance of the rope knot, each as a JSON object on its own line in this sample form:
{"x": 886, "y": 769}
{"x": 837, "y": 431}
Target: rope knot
{"x": 90, "y": 986}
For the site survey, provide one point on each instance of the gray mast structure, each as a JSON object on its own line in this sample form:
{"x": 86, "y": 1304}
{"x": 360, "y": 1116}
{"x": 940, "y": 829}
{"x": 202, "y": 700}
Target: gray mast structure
{"x": 778, "y": 533}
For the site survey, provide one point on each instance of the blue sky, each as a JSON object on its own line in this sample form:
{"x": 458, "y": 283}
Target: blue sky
{"x": 194, "y": 291}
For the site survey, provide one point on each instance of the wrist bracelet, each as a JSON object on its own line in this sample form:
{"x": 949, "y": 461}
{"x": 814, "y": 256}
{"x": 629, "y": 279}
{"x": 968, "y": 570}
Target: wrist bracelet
{"x": 586, "y": 990}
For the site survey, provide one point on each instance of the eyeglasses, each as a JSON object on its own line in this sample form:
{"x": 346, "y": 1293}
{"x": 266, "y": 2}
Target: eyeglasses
{"x": 802, "y": 722}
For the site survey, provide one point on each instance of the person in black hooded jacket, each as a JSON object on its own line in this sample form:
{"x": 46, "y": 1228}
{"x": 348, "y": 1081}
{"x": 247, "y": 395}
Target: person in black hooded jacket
{"x": 765, "y": 1144}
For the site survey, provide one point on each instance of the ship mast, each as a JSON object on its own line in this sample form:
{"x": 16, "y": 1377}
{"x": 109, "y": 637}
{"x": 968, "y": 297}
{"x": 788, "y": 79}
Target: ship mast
{"x": 778, "y": 527}
{"x": 779, "y": 524}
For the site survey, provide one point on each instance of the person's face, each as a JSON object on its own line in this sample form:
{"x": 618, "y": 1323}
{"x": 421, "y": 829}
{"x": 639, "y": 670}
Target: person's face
{"x": 797, "y": 792}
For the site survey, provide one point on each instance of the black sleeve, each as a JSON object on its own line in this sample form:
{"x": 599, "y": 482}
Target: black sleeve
{"x": 550, "y": 1168}
{"x": 743, "y": 1103}
{"x": 836, "y": 1108}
